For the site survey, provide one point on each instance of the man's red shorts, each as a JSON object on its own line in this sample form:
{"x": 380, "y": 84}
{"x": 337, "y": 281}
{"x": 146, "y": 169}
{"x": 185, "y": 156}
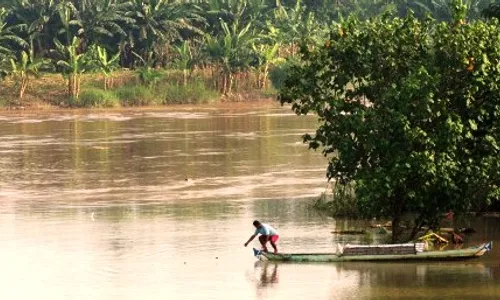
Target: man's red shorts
{"x": 274, "y": 238}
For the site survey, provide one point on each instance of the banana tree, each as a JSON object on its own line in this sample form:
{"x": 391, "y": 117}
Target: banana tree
{"x": 106, "y": 65}
{"x": 67, "y": 15}
{"x": 8, "y": 34}
{"x": 41, "y": 21}
{"x": 230, "y": 53}
{"x": 72, "y": 64}
{"x": 160, "y": 22}
{"x": 8, "y": 39}
{"x": 267, "y": 57}
{"x": 443, "y": 9}
{"x": 104, "y": 20}
{"x": 148, "y": 76}
{"x": 23, "y": 68}
{"x": 239, "y": 12}
{"x": 295, "y": 26}
{"x": 186, "y": 59}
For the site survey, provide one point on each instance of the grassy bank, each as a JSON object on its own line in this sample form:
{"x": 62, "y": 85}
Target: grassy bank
{"x": 127, "y": 90}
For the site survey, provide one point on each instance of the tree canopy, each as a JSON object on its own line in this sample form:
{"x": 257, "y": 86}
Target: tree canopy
{"x": 409, "y": 113}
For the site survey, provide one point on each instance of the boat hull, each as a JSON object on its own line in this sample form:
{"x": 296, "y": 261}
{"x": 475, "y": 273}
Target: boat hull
{"x": 458, "y": 254}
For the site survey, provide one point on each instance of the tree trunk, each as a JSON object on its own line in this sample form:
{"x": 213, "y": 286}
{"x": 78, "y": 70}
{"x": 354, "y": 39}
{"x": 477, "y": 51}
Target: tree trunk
{"x": 22, "y": 89}
{"x": 264, "y": 76}
{"x": 230, "y": 83}
{"x": 77, "y": 85}
{"x": 259, "y": 80}
{"x": 397, "y": 202}
{"x": 185, "y": 75}
{"x": 396, "y": 220}
{"x": 224, "y": 84}
{"x": 416, "y": 227}
{"x": 70, "y": 85}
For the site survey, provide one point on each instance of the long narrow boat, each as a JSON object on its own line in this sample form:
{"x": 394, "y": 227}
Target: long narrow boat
{"x": 457, "y": 254}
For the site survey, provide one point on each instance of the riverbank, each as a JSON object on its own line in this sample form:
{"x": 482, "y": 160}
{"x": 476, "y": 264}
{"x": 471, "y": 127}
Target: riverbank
{"x": 126, "y": 90}
{"x": 256, "y": 104}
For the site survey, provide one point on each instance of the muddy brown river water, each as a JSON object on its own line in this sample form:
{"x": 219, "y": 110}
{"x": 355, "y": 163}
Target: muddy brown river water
{"x": 156, "y": 204}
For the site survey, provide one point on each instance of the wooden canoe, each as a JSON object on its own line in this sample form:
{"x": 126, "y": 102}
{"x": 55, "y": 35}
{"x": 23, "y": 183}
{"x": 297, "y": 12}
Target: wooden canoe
{"x": 457, "y": 254}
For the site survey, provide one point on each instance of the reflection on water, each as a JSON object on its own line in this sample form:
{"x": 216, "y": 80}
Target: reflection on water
{"x": 265, "y": 278}
{"x": 268, "y": 274}
{"x": 157, "y": 205}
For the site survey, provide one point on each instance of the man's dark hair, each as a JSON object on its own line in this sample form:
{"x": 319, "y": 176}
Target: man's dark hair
{"x": 256, "y": 223}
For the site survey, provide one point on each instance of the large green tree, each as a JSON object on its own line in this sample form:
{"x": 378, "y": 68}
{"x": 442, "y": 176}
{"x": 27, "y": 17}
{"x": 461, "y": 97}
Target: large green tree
{"x": 409, "y": 114}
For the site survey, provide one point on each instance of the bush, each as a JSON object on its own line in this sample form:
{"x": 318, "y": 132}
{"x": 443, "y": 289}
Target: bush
{"x": 278, "y": 74}
{"x": 342, "y": 203}
{"x": 93, "y": 97}
{"x": 194, "y": 93}
{"x": 149, "y": 76}
{"x": 136, "y": 95}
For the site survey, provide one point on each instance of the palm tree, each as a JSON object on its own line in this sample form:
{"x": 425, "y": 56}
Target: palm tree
{"x": 23, "y": 69}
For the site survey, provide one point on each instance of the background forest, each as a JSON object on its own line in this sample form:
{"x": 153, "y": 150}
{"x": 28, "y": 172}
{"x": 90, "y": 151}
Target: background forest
{"x": 143, "y": 52}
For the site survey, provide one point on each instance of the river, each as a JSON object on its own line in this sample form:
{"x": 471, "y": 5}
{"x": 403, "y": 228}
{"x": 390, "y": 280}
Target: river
{"x": 157, "y": 204}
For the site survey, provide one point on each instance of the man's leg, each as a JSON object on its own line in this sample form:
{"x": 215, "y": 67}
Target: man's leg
{"x": 274, "y": 247}
{"x": 263, "y": 242}
{"x": 273, "y": 241}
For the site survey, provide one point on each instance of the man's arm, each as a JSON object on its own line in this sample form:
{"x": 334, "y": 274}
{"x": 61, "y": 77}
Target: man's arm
{"x": 250, "y": 239}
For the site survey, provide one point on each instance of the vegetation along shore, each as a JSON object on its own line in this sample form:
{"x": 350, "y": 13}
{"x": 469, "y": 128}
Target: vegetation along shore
{"x": 112, "y": 53}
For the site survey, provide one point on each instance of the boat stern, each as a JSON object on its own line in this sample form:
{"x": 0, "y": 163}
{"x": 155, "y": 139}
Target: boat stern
{"x": 259, "y": 254}
{"x": 488, "y": 246}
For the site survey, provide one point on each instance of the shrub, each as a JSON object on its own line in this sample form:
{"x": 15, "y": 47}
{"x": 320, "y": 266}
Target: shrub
{"x": 136, "y": 95}
{"x": 342, "y": 202}
{"x": 193, "y": 93}
{"x": 148, "y": 76}
{"x": 278, "y": 74}
{"x": 93, "y": 97}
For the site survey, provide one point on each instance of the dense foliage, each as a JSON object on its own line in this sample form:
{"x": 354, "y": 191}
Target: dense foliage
{"x": 409, "y": 111}
{"x": 492, "y": 11}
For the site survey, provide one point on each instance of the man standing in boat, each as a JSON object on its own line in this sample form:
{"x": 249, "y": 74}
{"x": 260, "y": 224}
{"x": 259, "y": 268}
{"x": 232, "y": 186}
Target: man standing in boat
{"x": 267, "y": 234}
